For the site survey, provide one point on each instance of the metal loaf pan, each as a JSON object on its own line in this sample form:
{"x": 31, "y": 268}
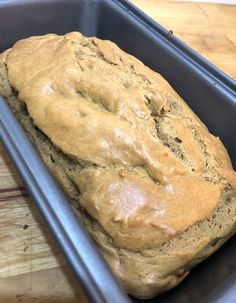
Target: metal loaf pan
{"x": 208, "y": 91}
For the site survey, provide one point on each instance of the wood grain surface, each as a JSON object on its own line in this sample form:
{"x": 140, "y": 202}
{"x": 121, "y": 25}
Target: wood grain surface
{"x": 210, "y": 29}
{"x": 32, "y": 268}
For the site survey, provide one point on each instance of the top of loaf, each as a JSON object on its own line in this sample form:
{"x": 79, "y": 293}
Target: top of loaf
{"x": 149, "y": 167}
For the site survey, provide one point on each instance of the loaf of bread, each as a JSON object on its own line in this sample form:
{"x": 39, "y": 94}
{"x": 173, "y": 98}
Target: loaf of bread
{"x": 153, "y": 187}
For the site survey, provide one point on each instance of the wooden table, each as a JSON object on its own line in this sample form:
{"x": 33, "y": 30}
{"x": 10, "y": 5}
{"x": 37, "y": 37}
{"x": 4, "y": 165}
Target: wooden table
{"x": 210, "y": 29}
{"x": 32, "y": 268}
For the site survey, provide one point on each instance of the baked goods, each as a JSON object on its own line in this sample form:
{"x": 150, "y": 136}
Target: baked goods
{"x": 152, "y": 186}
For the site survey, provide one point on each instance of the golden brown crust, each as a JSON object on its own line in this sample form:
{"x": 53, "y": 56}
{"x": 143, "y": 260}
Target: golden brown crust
{"x": 150, "y": 170}
{"x": 101, "y": 121}
{"x": 137, "y": 212}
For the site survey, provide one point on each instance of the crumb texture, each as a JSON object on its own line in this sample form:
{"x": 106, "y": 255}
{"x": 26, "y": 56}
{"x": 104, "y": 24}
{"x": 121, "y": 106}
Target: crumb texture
{"x": 154, "y": 188}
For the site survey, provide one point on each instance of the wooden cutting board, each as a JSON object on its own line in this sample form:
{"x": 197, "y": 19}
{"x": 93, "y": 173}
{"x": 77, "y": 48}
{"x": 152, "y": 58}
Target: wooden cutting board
{"x": 32, "y": 268}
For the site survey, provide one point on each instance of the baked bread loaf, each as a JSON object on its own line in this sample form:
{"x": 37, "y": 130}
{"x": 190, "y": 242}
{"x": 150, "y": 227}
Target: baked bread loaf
{"x": 152, "y": 186}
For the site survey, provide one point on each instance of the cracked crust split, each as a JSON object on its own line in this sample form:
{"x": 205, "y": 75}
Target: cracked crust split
{"x": 153, "y": 187}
